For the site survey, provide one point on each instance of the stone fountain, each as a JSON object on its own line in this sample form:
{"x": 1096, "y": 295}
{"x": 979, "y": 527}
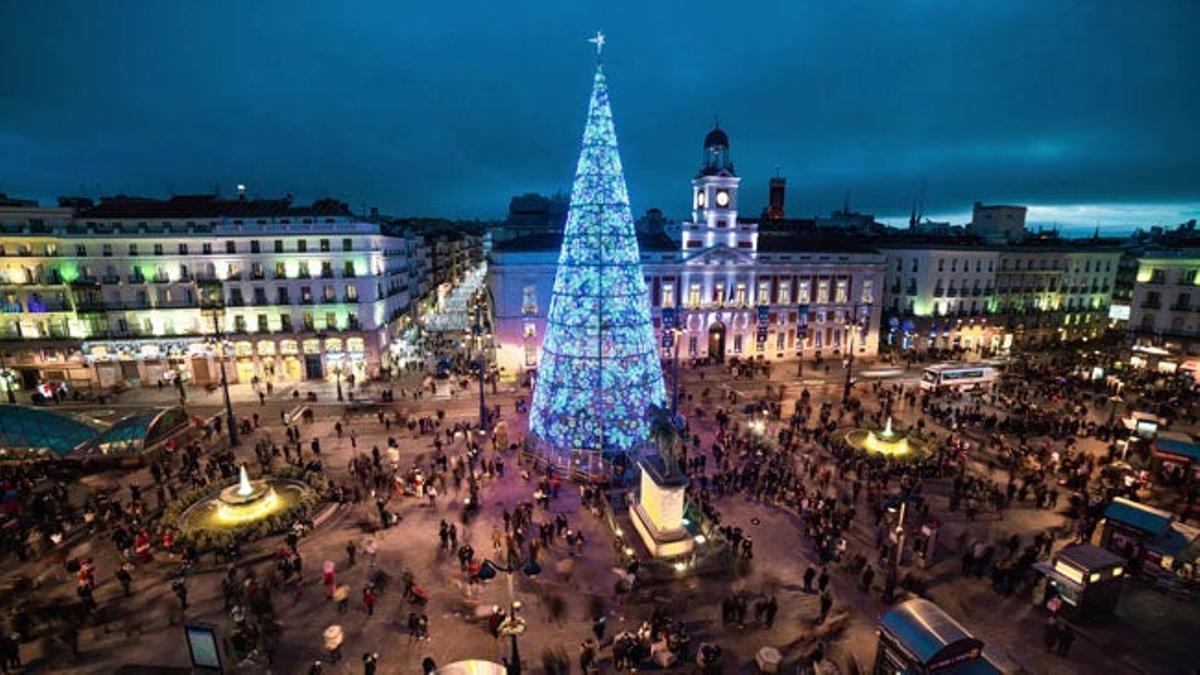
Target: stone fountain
{"x": 244, "y": 502}
{"x": 886, "y": 442}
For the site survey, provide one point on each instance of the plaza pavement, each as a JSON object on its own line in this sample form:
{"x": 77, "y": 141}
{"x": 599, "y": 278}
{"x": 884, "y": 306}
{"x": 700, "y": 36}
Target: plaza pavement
{"x": 145, "y": 629}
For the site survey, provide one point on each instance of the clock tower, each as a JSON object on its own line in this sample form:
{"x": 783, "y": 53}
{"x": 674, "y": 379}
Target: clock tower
{"x": 715, "y": 201}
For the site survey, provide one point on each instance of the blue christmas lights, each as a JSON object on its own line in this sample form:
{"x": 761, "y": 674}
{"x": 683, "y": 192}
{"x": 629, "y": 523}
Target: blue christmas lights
{"x": 599, "y": 369}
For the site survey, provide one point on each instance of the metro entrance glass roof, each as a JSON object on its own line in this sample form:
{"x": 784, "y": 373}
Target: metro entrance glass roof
{"x": 25, "y": 431}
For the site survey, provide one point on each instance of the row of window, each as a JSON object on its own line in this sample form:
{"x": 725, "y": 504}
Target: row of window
{"x": 1007, "y": 264}
{"x": 206, "y": 248}
{"x": 1185, "y": 277}
{"x": 1183, "y": 301}
{"x": 738, "y": 294}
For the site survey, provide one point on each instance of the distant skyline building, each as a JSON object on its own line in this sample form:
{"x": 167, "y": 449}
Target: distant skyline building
{"x": 996, "y": 223}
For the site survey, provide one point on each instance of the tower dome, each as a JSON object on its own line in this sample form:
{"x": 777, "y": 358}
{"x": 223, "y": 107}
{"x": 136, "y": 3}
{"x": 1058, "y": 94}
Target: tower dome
{"x": 716, "y": 138}
{"x": 716, "y": 160}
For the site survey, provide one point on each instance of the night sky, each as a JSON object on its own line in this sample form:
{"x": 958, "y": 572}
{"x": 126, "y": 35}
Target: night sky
{"x": 449, "y": 108}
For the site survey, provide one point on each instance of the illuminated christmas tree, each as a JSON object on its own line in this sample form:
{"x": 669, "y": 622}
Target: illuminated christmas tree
{"x": 599, "y": 370}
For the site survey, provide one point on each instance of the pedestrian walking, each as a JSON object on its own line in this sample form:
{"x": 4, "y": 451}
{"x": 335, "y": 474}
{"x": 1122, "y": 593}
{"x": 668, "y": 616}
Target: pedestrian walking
{"x": 808, "y": 579}
{"x": 1050, "y": 633}
{"x": 370, "y": 663}
{"x": 369, "y": 599}
{"x": 124, "y": 576}
{"x": 1066, "y": 638}
{"x": 179, "y": 586}
{"x": 329, "y": 578}
{"x": 826, "y": 605}
{"x": 372, "y": 551}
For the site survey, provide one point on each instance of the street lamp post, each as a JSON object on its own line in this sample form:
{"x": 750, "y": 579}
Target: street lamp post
{"x": 854, "y": 329}
{"x": 675, "y": 392}
{"x": 899, "y": 542}
{"x": 218, "y": 337}
{"x": 483, "y": 414}
{"x": 513, "y": 625}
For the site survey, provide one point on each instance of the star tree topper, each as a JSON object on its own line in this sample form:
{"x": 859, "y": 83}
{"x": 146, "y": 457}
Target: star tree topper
{"x": 598, "y": 41}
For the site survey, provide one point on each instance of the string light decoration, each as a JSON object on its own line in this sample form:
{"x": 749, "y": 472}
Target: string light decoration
{"x": 599, "y": 369}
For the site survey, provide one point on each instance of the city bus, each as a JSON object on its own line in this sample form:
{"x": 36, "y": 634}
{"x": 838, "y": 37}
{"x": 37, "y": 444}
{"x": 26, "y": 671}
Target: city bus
{"x": 957, "y": 376}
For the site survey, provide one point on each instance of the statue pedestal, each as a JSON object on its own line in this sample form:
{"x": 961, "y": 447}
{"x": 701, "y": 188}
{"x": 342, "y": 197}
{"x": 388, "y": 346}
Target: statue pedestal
{"x": 658, "y": 513}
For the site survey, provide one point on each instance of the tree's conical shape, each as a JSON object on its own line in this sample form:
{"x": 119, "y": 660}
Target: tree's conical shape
{"x": 599, "y": 369}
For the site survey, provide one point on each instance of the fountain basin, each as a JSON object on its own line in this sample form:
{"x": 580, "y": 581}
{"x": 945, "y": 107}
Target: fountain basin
{"x": 884, "y": 443}
{"x": 229, "y": 510}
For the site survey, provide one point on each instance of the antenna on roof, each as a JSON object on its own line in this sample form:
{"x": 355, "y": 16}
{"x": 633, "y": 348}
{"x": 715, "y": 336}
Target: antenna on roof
{"x": 846, "y": 201}
{"x": 778, "y": 170}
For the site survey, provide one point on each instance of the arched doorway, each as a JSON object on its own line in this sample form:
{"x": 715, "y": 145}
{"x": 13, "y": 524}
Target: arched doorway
{"x": 716, "y": 342}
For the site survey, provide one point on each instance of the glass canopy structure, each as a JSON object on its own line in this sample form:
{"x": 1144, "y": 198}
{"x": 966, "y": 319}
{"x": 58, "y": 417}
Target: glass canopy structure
{"x": 28, "y": 432}
{"x": 136, "y": 432}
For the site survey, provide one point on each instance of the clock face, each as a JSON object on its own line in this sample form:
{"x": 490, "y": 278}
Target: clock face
{"x": 722, "y": 198}
{"x": 700, "y": 199}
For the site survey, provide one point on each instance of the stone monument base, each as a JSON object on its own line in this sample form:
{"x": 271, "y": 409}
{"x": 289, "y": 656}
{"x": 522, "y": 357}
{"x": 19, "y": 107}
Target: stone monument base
{"x": 658, "y": 514}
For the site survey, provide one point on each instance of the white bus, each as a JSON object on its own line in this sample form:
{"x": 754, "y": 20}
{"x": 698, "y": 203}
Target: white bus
{"x": 957, "y": 376}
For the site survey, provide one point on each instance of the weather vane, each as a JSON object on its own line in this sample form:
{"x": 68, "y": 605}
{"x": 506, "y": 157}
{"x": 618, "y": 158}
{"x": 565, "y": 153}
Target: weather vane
{"x": 598, "y": 41}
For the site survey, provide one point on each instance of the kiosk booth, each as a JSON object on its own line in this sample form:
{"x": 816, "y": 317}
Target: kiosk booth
{"x": 1176, "y": 459}
{"x": 917, "y": 638}
{"x": 1128, "y": 527}
{"x": 1087, "y": 578}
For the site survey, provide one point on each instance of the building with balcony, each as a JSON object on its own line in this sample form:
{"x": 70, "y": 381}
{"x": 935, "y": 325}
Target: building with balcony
{"x": 957, "y": 293}
{"x": 1165, "y": 308}
{"x": 131, "y": 290}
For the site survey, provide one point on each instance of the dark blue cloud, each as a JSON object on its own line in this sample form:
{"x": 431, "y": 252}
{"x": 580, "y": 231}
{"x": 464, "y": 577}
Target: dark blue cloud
{"x": 449, "y": 108}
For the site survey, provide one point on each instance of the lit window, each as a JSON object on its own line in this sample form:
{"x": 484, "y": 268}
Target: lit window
{"x": 529, "y": 300}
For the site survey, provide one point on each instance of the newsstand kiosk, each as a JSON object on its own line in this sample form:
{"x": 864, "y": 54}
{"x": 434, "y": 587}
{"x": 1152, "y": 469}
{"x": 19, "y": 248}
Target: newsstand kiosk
{"x": 1087, "y": 578}
{"x": 917, "y": 638}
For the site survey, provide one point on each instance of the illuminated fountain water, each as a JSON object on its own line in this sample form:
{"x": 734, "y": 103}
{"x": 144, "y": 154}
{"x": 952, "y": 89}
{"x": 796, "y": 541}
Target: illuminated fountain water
{"x": 887, "y": 441}
{"x": 244, "y": 502}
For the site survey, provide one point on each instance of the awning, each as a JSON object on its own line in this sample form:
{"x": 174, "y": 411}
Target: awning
{"x": 1139, "y": 516}
{"x": 1180, "y": 450}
